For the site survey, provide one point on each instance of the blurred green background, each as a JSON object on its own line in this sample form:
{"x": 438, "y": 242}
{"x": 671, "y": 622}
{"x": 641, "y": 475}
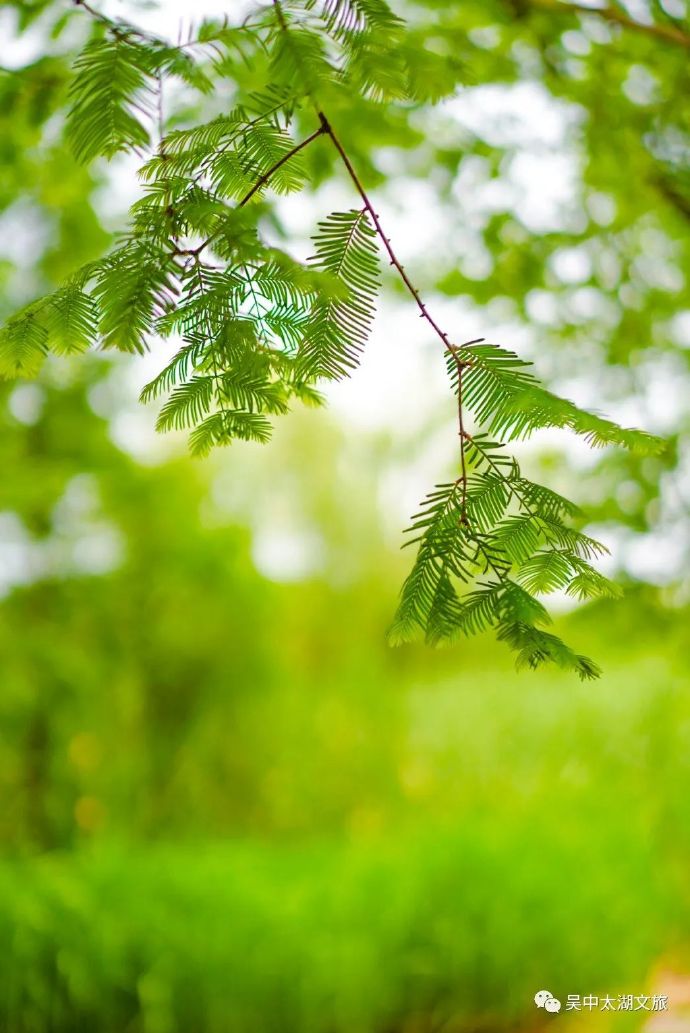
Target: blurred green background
{"x": 227, "y": 806}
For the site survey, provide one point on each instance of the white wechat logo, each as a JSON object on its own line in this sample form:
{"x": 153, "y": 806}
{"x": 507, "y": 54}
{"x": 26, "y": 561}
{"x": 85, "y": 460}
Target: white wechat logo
{"x": 545, "y": 999}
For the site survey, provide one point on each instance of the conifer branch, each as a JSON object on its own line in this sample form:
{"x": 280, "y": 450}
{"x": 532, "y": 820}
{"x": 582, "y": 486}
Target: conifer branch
{"x": 327, "y": 128}
{"x": 519, "y": 495}
{"x": 259, "y": 328}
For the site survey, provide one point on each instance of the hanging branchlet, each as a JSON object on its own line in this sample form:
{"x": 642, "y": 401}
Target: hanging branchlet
{"x": 464, "y": 437}
{"x": 259, "y": 330}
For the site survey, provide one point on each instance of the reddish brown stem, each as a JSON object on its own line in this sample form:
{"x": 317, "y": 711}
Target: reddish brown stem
{"x": 261, "y": 182}
{"x": 425, "y": 314}
{"x": 665, "y": 33}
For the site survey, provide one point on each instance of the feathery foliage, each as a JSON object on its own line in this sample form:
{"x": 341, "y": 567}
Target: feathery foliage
{"x": 256, "y": 329}
{"x": 346, "y": 247}
{"x": 111, "y": 92}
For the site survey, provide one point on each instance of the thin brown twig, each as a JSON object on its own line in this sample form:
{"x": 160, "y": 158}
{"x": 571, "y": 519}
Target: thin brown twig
{"x": 425, "y": 314}
{"x": 280, "y": 16}
{"x": 463, "y": 461}
{"x": 119, "y": 31}
{"x": 260, "y": 183}
{"x": 92, "y": 11}
{"x": 278, "y": 165}
{"x": 667, "y": 33}
{"x": 461, "y": 365}
{"x": 160, "y": 115}
{"x": 674, "y": 196}
{"x": 124, "y": 31}
{"x": 244, "y": 126}
{"x": 214, "y": 360}
{"x": 327, "y": 128}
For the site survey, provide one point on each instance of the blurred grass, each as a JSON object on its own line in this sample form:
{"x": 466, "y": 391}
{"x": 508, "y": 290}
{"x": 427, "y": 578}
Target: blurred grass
{"x": 453, "y": 929}
{"x": 541, "y": 839}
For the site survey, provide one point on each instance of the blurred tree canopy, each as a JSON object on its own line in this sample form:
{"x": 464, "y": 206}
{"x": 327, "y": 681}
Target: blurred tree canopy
{"x": 262, "y": 329}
